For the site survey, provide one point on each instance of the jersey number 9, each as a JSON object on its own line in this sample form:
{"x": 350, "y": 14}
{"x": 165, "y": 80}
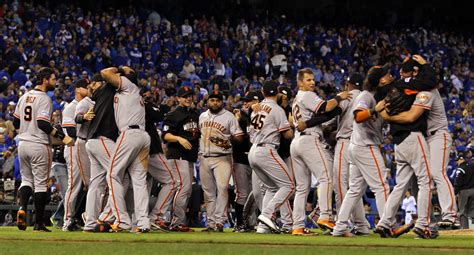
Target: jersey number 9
{"x": 28, "y": 112}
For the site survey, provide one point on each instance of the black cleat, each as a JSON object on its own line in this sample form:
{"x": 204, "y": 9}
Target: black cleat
{"x": 21, "y": 220}
{"x": 40, "y": 228}
{"x": 383, "y": 232}
{"x": 402, "y": 230}
{"x": 426, "y": 234}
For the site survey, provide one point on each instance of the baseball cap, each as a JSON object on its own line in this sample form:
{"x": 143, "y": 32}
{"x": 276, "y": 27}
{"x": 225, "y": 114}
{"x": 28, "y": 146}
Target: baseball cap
{"x": 270, "y": 88}
{"x": 97, "y": 77}
{"x": 184, "y": 91}
{"x": 410, "y": 65}
{"x": 253, "y": 95}
{"x": 356, "y": 79}
{"x": 81, "y": 83}
{"x": 216, "y": 94}
{"x": 376, "y": 73}
{"x": 285, "y": 91}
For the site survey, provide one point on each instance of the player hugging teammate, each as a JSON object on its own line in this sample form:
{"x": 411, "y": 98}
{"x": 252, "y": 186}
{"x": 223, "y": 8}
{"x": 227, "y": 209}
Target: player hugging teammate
{"x": 113, "y": 143}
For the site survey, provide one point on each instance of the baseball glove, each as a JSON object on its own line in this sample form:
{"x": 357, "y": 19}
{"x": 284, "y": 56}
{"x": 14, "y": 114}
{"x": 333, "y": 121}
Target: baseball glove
{"x": 397, "y": 101}
{"x": 225, "y": 144}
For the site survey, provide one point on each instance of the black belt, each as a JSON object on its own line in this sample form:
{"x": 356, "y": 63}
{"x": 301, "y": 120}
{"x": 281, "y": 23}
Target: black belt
{"x": 134, "y": 127}
{"x": 267, "y": 144}
{"x": 432, "y": 133}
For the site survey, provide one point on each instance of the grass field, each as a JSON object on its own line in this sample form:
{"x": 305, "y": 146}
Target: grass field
{"x": 12, "y": 241}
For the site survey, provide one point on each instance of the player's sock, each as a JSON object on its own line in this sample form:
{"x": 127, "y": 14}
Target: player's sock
{"x": 239, "y": 212}
{"x": 40, "y": 203}
{"x": 25, "y": 194}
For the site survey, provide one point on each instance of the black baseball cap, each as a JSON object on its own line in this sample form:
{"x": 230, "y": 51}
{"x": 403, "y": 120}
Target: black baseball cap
{"x": 81, "y": 83}
{"x": 185, "y": 91}
{"x": 216, "y": 94}
{"x": 356, "y": 79}
{"x": 253, "y": 95}
{"x": 410, "y": 65}
{"x": 270, "y": 88}
{"x": 376, "y": 73}
{"x": 97, "y": 78}
{"x": 285, "y": 91}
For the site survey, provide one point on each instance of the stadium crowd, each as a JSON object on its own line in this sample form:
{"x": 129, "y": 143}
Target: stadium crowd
{"x": 232, "y": 55}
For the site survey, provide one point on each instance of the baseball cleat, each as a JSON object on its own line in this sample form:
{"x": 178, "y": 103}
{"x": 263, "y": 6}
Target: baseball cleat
{"x": 40, "y": 228}
{"x": 344, "y": 234}
{"x": 159, "y": 225}
{"x": 360, "y": 233}
{"x": 181, "y": 228}
{"x": 402, "y": 230}
{"x": 446, "y": 224}
{"x": 115, "y": 228}
{"x": 426, "y": 234}
{"x": 102, "y": 226}
{"x": 141, "y": 230}
{"x": 21, "y": 220}
{"x": 383, "y": 231}
{"x": 325, "y": 224}
{"x": 269, "y": 222}
{"x": 263, "y": 230}
{"x": 303, "y": 232}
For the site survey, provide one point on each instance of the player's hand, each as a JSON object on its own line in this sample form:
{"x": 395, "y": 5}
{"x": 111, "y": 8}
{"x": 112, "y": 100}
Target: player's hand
{"x": 237, "y": 114}
{"x": 89, "y": 115}
{"x": 67, "y": 140}
{"x": 345, "y": 95}
{"x": 301, "y": 126}
{"x": 256, "y": 107}
{"x": 419, "y": 59}
{"x": 380, "y": 106}
{"x": 291, "y": 120}
{"x": 185, "y": 143}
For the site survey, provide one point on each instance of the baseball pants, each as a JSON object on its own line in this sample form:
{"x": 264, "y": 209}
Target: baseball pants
{"x": 311, "y": 157}
{"x": 35, "y": 164}
{"x": 215, "y": 175}
{"x": 160, "y": 169}
{"x": 367, "y": 168}
{"x": 242, "y": 175}
{"x": 412, "y": 158}
{"x": 275, "y": 174}
{"x": 439, "y": 148}
{"x": 185, "y": 172}
{"x": 341, "y": 179}
{"x": 131, "y": 152}
{"x": 99, "y": 155}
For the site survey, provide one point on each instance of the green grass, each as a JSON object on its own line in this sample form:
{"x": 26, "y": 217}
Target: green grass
{"x": 13, "y": 241}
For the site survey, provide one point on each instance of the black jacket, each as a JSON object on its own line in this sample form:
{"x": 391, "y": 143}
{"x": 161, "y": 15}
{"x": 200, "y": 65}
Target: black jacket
{"x": 153, "y": 114}
{"x": 464, "y": 177}
{"x": 241, "y": 149}
{"x": 103, "y": 123}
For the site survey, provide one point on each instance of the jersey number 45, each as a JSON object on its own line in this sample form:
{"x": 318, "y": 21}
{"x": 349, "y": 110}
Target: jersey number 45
{"x": 257, "y": 121}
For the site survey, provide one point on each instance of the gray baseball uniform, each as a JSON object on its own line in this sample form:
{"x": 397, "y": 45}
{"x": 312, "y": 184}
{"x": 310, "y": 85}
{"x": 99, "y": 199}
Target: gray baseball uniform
{"x": 439, "y": 142}
{"x": 367, "y": 167}
{"x": 412, "y": 157}
{"x": 341, "y": 159}
{"x": 34, "y": 151}
{"x": 131, "y": 152}
{"x": 311, "y": 156}
{"x": 215, "y": 150}
{"x": 264, "y": 159}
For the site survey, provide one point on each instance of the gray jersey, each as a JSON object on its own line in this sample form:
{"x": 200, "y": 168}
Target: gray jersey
{"x": 268, "y": 123}
{"x": 437, "y": 116}
{"x": 128, "y": 105}
{"x": 346, "y": 118}
{"x": 82, "y": 108}
{"x": 32, "y": 106}
{"x": 368, "y": 132}
{"x": 68, "y": 115}
{"x": 216, "y": 131}
{"x": 305, "y": 104}
{"x": 251, "y": 131}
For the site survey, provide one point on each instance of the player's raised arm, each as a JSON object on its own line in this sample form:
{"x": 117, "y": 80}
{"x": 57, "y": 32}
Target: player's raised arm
{"x": 112, "y": 76}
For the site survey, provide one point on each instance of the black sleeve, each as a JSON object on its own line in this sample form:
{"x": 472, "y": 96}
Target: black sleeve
{"x": 317, "y": 119}
{"x": 71, "y": 131}
{"x": 169, "y": 125}
{"x": 322, "y": 108}
{"x": 153, "y": 112}
{"x": 425, "y": 80}
{"x": 79, "y": 119}
{"x": 16, "y": 122}
{"x": 45, "y": 126}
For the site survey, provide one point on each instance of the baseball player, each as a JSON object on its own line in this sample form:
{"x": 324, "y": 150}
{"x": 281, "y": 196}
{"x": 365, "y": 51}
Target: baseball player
{"x": 181, "y": 132}
{"x": 439, "y": 139}
{"x": 73, "y": 160}
{"x": 101, "y": 137}
{"x": 33, "y": 118}
{"x": 270, "y": 123}
{"x": 412, "y": 156}
{"x": 366, "y": 162}
{"x": 131, "y": 151}
{"x": 218, "y": 127}
{"x": 310, "y": 154}
{"x": 159, "y": 167}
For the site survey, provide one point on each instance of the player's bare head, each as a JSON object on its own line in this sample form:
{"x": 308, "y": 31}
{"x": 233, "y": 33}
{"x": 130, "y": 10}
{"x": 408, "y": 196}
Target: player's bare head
{"x": 215, "y": 101}
{"x": 185, "y": 96}
{"x": 47, "y": 78}
{"x": 378, "y": 76}
{"x": 305, "y": 79}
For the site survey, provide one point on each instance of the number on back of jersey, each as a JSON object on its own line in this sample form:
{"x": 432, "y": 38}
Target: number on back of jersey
{"x": 296, "y": 112}
{"x": 257, "y": 121}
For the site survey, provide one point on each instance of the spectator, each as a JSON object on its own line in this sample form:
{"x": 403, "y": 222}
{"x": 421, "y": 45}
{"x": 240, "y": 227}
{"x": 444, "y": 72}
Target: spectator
{"x": 464, "y": 187}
